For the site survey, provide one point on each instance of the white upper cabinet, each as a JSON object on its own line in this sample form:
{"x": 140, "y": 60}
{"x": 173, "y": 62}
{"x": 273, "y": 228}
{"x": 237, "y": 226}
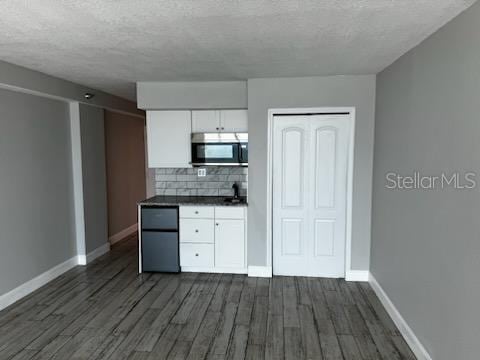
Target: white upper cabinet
{"x": 219, "y": 121}
{"x": 233, "y": 121}
{"x": 205, "y": 121}
{"x": 168, "y": 139}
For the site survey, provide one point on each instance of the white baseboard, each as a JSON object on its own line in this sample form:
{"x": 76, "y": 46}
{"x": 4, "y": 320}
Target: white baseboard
{"x": 101, "y": 250}
{"x": 123, "y": 234}
{"x": 260, "y": 271}
{"x": 82, "y": 259}
{"x": 357, "y": 275}
{"x": 86, "y": 259}
{"x": 37, "y": 282}
{"x": 216, "y": 270}
{"x": 417, "y": 348}
{"x": 42, "y": 279}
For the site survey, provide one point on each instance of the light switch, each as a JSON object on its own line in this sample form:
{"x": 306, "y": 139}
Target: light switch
{"x": 202, "y": 172}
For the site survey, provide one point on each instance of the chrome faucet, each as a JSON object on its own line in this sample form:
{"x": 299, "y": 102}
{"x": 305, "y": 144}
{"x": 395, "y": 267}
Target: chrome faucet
{"x": 235, "y": 190}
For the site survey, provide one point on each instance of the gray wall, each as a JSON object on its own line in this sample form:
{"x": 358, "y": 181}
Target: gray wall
{"x": 92, "y": 131}
{"x": 37, "y": 212}
{"x": 425, "y": 244}
{"x": 334, "y": 91}
{"x": 36, "y": 200}
{"x": 186, "y": 182}
{"x": 192, "y": 95}
{"x": 18, "y": 78}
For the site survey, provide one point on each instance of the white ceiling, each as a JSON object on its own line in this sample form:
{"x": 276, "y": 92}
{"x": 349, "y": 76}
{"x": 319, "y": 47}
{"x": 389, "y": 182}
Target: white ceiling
{"x": 111, "y": 44}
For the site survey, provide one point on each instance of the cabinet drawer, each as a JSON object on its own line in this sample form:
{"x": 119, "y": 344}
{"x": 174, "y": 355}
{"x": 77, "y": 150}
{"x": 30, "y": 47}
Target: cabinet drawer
{"x": 229, "y": 212}
{"x": 154, "y": 218}
{"x": 201, "y": 255}
{"x": 197, "y": 212}
{"x": 197, "y": 230}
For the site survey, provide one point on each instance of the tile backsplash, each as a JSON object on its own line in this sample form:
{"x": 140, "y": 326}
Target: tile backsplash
{"x": 186, "y": 182}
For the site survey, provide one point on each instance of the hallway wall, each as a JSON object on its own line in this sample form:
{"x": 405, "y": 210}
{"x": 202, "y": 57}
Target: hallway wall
{"x": 125, "y": 159}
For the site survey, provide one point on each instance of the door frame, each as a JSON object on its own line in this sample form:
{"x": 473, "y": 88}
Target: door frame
{"x": 350, "y": 111}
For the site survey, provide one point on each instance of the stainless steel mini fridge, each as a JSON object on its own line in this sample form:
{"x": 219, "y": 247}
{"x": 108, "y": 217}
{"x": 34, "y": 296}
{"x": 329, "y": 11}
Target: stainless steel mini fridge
{"x": 160, "y": 248}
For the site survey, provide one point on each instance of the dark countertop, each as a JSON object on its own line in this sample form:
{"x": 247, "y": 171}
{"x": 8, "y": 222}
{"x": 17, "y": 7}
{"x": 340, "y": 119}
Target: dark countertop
{"x": 164, "y": 200}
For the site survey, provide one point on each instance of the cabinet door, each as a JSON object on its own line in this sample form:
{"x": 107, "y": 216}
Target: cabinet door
{"x": 233, "y": 121}
{"x": 168, "y": 139}
{"x": 230, "y": 243}
{"x": 205, "y": 120}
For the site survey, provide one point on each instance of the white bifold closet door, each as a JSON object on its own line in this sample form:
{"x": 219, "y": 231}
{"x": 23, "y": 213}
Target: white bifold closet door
{"x": 310, "y": 159}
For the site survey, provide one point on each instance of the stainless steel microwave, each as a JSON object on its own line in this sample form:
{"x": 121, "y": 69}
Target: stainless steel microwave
{"x": 220, "y": 149}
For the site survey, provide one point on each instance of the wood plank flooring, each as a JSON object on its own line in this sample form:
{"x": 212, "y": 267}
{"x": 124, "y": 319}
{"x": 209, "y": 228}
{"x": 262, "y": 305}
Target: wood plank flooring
{"x": 107, "y": 311}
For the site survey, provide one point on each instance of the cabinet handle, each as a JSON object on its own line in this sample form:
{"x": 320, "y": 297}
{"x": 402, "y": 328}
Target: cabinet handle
{"x": 217, "y": 224}
{"x": 196, "y": 230}
{"x": 196, "y": 254}
{"x": 196, "y": 212}
{"x": 223, "y": 128}
{"x": 217, "y": 128}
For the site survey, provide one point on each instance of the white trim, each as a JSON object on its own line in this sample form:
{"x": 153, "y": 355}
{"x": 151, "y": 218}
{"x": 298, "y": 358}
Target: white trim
{"x": 417, "y": 348}
{"x": 101, "y": 250}
{"x": 92, "y": 255}
{"x": 77, "y": 174}
{"x": 260, "y": 271}
{"x": 216, "y": 270}
{"x": 349, "y": 223}
{"x": 37, "y": 282}
{"x": 123, "y": 234}
{"x": 357, "y": 275}
{"x": 82, "y": 259}
{"x": 351, "y": 158}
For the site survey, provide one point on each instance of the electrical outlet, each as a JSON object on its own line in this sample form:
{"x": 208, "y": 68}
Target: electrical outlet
{"x": 202, "y": 172}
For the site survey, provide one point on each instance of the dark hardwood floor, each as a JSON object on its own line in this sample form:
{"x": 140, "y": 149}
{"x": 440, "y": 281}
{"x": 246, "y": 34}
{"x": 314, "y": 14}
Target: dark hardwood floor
{"x": 107, "y": 311}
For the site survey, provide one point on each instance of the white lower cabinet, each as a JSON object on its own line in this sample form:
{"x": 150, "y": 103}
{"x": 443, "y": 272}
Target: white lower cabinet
{"x": 198, "y": 255}
{"x": 229, "y": 243}
{"x": 212, "y": 239}
{"x": 197, "y": 212}
{"x": 197, "y": 231}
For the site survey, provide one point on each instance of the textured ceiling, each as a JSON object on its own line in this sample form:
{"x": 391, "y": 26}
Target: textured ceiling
{"x": 111, "y": 44}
